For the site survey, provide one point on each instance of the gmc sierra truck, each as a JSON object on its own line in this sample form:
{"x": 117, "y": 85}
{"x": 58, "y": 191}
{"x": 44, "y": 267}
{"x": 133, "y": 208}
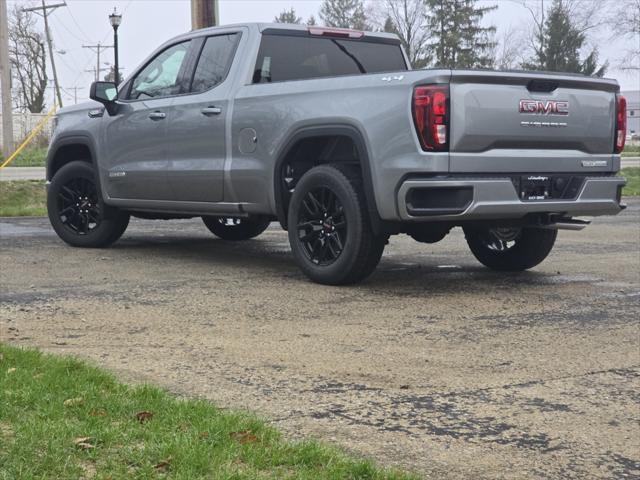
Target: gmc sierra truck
{"x": 332, "y": 134}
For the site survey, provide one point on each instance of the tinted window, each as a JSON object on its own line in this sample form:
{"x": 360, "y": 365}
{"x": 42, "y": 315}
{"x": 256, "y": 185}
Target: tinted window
{"x": 214, "y": 62}
{"x": 160, "y": 77}
{"x": 283, "y": 57}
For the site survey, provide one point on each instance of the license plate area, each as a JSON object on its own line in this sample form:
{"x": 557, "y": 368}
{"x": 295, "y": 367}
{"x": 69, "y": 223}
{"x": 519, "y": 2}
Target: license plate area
{"x": 535, "y": 187}
{"x": 539, "y": 187}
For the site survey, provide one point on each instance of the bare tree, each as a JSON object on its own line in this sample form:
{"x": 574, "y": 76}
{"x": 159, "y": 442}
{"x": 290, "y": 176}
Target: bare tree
{"x": 624, "y": 23}
{"x": 510, "y": 49}
{"x": 405, "y": 18}
{"x": 28, "y": 61}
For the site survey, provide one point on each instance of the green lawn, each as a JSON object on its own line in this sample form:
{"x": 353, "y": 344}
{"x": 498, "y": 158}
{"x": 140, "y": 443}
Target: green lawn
{"x": 63, "y": 419}
{"x": 29, "y": 157}
{"x": 633, "y": 181}
{"x": 23, "y": 198}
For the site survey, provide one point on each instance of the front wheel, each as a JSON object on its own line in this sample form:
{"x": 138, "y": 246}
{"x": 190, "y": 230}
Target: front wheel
{"x": 510, "y": 249}
{"x": 236, "y": 228}
{"x": 329, "y": 227}
{"x": 77, "y": 212}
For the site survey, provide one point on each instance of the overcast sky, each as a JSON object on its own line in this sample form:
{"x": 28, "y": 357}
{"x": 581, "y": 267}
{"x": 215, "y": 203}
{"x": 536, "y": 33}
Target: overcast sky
{"x": 148, "y": 23}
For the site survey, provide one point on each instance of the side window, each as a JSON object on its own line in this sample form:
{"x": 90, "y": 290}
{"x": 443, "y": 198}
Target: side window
{"x": 160, "y": 77}
{"x": 214, "y": 62}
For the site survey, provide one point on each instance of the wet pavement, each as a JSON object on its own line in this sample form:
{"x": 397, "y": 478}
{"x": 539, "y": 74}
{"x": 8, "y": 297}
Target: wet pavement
{"x": 434, "y": 364}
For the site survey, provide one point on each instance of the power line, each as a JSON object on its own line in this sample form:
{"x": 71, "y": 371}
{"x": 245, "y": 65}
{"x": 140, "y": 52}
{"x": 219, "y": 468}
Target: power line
{"x": 45, "y": 14}
{"x": 97, "y": 49}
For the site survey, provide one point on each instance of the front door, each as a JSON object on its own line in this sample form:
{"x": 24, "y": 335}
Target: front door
{"x": 135, "y": 138}
{"x": 197, "y": 143}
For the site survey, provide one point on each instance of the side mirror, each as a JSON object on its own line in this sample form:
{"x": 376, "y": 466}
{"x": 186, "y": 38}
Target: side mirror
{"x": 105, "y": 93}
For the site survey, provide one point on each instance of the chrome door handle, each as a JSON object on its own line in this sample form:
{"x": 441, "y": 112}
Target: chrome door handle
{"x": 157, "y": 115}
{"x": 208, "y": 111}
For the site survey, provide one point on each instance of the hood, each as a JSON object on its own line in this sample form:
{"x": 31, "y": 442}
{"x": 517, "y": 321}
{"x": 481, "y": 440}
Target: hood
{"x": 80, "y": 107}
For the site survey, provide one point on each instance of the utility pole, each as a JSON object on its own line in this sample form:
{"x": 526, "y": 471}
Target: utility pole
{"x": 97, "y": 49}
{"x": 204, "y": 13}
{"x": 75, "y": 93}
{"x": 45, "y": 15}
{"x": 5, "y": 82}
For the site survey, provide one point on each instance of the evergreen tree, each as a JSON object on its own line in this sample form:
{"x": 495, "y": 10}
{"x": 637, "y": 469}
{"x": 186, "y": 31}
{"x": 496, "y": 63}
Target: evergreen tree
{"x": 311, "y": 21}
{"x": 344, "y": 14}
{"x": 458, "y": 40}
{"x": 288, "y": 16}
{"x": 559, "y": 44}
{"x": 389, "y": 26}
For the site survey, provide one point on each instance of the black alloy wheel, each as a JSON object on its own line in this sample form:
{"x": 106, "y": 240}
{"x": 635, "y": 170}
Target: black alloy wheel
{"x": 78, "y": 205}
{"x": 237, "y": 228}
{"x": 322, "y": 226}
{"x": 510, "y": 249}
{"x": 77, "y": 211}
{"x": 329, "y": 226}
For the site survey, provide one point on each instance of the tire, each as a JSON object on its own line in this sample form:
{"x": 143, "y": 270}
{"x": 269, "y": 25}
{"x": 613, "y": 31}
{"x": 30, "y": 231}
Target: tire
{"x": 77, "y": 211}
{"x": 329, "y": 226}
{"x": 236, "y": 228}
{"x": 510, "y": 249}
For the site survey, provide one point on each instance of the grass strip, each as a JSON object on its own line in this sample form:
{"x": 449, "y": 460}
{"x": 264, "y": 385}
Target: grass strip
{"x": 23, "y": 198}
{"x": 632, "y": 174}
{"x": 61, "y": 418}
{"x": 29, "y": 157}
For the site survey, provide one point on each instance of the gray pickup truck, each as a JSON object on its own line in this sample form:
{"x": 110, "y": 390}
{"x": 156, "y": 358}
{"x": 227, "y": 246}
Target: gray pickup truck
{"x": 331, "y": 133}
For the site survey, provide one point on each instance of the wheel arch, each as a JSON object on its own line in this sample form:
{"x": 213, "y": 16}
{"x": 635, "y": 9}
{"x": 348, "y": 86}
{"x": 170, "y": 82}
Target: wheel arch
{"x": 69, "y": 149}
{"x": 329, "y": 133}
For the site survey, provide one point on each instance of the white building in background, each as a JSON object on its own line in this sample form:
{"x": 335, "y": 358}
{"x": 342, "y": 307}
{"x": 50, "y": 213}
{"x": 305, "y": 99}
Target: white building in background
{"x": 633, "y": 111}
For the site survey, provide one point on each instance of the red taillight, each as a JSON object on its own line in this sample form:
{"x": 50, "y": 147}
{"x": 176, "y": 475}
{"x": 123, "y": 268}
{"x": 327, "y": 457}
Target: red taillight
{"x": 431, "y": 116}
{"x": 621, "y": 123}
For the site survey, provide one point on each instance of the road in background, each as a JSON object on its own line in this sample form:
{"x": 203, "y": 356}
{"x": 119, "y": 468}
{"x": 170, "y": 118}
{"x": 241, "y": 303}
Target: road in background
{"x": 22, "y": 173}
{"x": 434, "y": 364}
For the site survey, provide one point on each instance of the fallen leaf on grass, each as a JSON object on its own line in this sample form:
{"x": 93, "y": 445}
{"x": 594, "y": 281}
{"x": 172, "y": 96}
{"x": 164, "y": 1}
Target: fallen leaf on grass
{"x": 164, "y": 465}
{"x": 144, "y": 416}
{"x": 11, "y": 370}
{"x": 83, "y": 443}
{"x": 203, "y": 435}
{"x": 244, "y": 437}
{"x": 98, "y": 412}
{"x": 73, "y": 402}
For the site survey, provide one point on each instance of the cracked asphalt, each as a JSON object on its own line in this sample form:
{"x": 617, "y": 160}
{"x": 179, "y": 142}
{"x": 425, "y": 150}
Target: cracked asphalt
{"x": 434, "y": 364}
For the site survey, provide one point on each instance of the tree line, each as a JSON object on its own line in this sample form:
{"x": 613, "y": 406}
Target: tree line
{"x": 434, "y": 33}
{"x": 455, "y": 33}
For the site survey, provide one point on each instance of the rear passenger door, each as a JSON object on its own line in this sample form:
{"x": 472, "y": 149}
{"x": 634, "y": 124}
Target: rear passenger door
{"x": 197, "y": 129}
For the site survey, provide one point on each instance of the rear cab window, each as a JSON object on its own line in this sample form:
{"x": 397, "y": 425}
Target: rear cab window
{"x": 296, "y": 55}
{"x": 214, "y": 62}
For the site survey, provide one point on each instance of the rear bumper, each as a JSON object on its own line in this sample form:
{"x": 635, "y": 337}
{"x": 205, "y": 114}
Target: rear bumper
{"x": 497, "y": 198}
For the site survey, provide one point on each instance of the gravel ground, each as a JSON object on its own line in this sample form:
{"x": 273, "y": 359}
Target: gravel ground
{"x": 434, "y": 364}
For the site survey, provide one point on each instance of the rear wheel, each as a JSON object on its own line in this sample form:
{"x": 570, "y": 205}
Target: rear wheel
{"x": 329, "y": 227}
{"x": 77, "y": 212}
{"x": 236, "y": 228}
{"x": 510, "y": 249}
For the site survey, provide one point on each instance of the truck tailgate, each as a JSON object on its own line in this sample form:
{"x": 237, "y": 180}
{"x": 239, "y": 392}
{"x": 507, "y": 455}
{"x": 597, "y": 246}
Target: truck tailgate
{"x": 531, "y": 122}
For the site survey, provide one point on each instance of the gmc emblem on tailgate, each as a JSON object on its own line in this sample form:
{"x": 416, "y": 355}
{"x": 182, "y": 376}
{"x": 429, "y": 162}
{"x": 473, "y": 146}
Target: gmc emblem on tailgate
{"x": 539, "y": 107}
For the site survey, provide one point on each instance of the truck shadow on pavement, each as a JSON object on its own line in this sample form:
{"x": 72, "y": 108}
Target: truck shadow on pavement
{"x": 400, "y": 275}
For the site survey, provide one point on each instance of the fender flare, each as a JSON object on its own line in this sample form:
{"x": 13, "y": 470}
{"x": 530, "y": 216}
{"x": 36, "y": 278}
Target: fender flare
{"x": 66, "y": 140}
{"x": 323, "y": 131}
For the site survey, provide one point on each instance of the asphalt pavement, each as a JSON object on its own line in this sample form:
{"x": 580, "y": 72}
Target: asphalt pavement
{"x": 434, "y": 364}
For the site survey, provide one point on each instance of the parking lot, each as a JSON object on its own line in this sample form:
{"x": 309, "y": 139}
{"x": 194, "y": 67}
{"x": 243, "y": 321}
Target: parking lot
{"x": 434, "y": 364}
